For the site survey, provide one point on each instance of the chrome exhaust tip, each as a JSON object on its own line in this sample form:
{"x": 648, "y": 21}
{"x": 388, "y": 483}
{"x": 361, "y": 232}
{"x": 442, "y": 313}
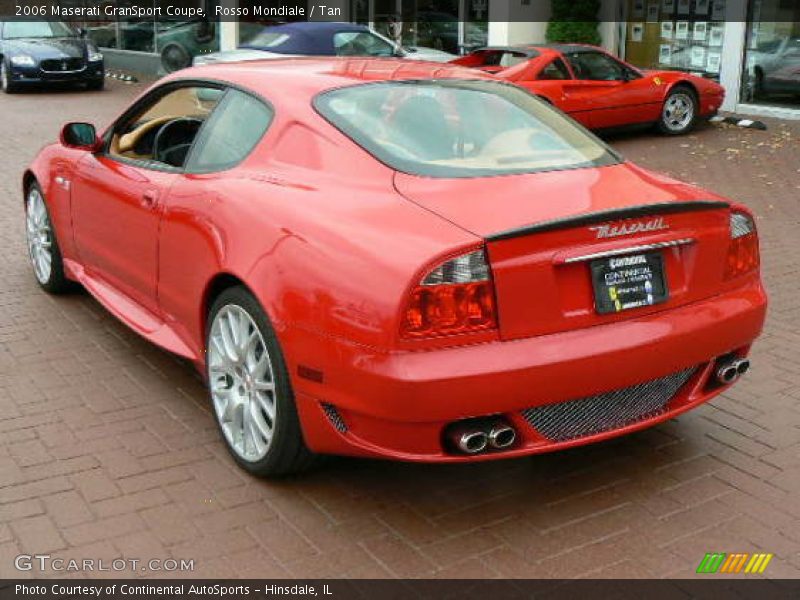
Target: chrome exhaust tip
{"x": 471, "y": 441}
{"x": 728, "y": 373}
{"x": 742, "y": 366}
{"x": 501, "y": 436}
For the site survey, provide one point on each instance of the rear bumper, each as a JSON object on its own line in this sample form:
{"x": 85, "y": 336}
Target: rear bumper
{"x": 711, "y": 103}
{"x": 397, "y": 405}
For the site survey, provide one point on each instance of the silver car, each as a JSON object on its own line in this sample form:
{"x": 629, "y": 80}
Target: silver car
{"x": 319, "y": 39}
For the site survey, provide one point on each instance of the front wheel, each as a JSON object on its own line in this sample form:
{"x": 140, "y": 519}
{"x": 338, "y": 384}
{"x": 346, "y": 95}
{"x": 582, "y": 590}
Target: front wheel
{"x": 43, "y": 249}
{"x": 96, "y": 85}
{"x": 8, "y": 86}
{"x": 174, "y": 57}
{"x": 250, "y": 389}
{"x": 679, "y": 113}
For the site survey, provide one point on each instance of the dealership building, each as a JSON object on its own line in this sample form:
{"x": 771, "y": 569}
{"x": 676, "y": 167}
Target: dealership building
{"x": 751, "y": 46}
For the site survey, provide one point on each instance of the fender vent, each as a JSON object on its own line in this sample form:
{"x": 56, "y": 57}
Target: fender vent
{"x": 334, "y": 417}
{"x": 595, "y": 414}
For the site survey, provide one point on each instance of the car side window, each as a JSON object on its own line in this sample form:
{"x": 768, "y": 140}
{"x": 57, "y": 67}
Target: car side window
{"x": 232, "y": 131}
{"x": 361, "y": 43}
{"x": 793, "y": 49}
{"x": 161, "y": 133}
{"x": 555, "y": 70}
{"x": 595, "y": 66}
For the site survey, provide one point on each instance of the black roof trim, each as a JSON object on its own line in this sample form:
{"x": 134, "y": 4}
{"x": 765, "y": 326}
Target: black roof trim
{"x": 522, "y": 50}
{"x": 614, "y": 214}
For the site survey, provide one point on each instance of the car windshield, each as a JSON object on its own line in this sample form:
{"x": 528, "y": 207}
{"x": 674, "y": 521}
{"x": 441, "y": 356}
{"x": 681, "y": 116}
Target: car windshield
{"x": 458, "y": 128}
{"x": 37, "y": 29}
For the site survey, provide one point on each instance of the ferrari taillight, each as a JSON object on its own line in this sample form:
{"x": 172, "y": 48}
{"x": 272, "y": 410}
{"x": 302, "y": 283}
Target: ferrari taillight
{"x": 743, "y": 249}
{"x": 455, "y": 297}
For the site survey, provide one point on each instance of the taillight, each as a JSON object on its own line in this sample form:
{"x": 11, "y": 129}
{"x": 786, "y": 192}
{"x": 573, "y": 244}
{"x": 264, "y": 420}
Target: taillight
{"x": 455, "y": 297}
{"x": 743, "y": 250}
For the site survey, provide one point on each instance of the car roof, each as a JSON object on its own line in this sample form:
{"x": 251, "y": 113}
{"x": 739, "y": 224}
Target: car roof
{"x": 568, "y": 48}
{"x": 527, "y": 51}
{"x": 307, "y": 37}
{"x": 298, "y": 77}
{"x": 316, "y": 27}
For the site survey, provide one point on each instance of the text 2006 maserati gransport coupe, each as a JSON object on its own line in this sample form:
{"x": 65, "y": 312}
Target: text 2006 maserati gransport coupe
{"x": 391, "y": 259}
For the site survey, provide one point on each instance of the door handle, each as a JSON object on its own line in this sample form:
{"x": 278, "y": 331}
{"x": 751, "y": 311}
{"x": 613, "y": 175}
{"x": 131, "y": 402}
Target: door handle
{"x": 150, "y": 199}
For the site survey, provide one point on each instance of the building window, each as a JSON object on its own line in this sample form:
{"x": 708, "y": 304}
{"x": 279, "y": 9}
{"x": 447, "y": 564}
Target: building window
{"x": 683, "y": 35}
{"x": 451, "y": 26}
{"x": 771, "y": 74}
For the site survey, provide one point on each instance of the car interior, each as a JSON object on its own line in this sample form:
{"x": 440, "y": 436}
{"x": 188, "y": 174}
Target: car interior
{"x": 165, "y": 130}
{"x": 556, "y": 70}
{"x": 594, "y": 66}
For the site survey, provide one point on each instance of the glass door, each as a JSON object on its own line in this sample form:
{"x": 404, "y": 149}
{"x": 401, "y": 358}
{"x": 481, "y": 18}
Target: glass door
{"x": 771, "y": 74}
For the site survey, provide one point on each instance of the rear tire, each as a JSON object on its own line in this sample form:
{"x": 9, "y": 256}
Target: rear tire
{"x": 679, "y": 112}
{"x": 249, "y": 387}
{"x": 96, "y": 86}
{"x": 43, "y": 249}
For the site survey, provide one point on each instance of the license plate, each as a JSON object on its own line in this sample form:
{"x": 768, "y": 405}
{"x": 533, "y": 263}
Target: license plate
{"x": 625, "y": 282}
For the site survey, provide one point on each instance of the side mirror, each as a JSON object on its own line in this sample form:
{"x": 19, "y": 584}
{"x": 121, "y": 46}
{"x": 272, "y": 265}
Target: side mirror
{"x": 81, "y": 136}
{"x": 82, "y": 32}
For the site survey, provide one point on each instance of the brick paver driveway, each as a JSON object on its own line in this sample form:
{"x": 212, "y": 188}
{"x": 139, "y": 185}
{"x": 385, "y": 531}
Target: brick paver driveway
{"x": 108, "y": 448}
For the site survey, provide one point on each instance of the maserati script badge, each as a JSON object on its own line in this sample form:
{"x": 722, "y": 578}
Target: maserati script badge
{"x": 629, "y": 227}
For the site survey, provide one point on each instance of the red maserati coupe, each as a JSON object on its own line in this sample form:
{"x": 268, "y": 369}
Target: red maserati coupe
{"x": 601, "y": 91}
{"x": 392, "y": 259}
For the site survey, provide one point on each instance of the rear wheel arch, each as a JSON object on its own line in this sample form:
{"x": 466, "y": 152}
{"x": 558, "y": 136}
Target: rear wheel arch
{"x": 683, "y": 83}
{"x": 225, "y": 280}
{"x": 218, "y": 284}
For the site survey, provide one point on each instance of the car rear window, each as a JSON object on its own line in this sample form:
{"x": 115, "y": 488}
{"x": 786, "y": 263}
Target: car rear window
{"x": 460, "y": 128}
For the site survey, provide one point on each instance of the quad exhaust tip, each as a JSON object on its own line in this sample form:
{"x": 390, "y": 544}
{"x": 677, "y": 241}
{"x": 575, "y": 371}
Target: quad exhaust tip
{"x": 472, "y": 442}
{"x": 478, "y": 436}
{"x": 502, "y": 436}
{"x": 742, "y": 366}
{"x": 730, "y": 371}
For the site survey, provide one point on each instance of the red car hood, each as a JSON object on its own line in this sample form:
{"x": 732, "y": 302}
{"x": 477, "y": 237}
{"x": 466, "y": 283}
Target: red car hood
{"x": 489, "y": 205}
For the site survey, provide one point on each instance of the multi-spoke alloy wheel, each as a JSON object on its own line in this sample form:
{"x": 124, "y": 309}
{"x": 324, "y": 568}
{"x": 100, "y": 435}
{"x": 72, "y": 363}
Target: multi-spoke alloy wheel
{"x": 43, "y": 247}
{"x": 250, "y": 388}
{"x": 242, "y": 382}
{"x": 678, "y": 113}
{"x": 40, "y": 240}
{"x": 6, "y": 84}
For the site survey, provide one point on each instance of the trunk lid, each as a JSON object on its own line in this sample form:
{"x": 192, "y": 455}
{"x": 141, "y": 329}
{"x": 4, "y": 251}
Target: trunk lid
{"x": 545, "y": 233}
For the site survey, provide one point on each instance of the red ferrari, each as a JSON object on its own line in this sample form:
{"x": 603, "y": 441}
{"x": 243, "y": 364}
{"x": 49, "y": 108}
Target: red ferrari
{"x": 601, "y": 91}
{"x": 381, "y": 258}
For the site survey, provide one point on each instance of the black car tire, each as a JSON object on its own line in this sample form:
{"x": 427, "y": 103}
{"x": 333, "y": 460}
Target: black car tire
{"x": 287, "y": 452}
{"x": 96, "y": 85}
{"x": 174, "y": 57}
{"x": 679, "y": 126}
{"x": 8, "y": 86}
{"x": 57, "y": 282}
